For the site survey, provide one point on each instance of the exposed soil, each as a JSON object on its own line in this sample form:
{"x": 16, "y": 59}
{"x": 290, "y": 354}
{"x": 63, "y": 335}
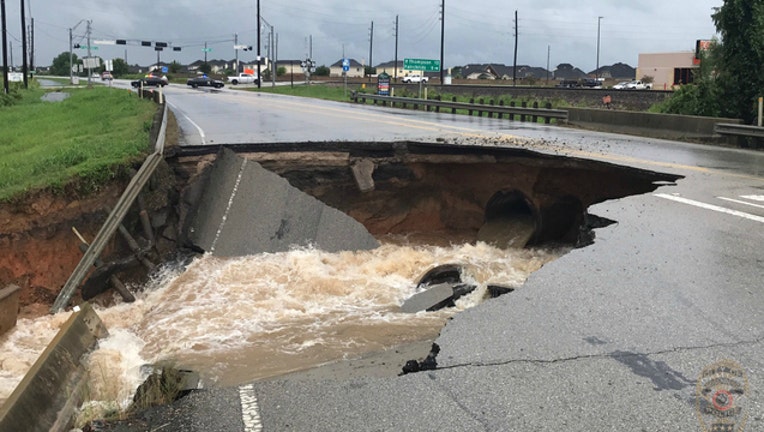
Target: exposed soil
{"x": 38, "y": 246}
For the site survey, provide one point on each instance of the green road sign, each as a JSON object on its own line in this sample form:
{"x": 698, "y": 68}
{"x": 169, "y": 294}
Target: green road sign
{"x": 426, "y": 65}
{"x": 206, "y": 49}
{"x": 85, "y": 47}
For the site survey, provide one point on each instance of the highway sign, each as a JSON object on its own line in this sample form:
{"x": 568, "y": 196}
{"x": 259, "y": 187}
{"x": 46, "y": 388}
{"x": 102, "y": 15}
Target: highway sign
{"x": 206, "y": 49}
{"x": 426, "y": 65}
{"x": 345, "y": 64}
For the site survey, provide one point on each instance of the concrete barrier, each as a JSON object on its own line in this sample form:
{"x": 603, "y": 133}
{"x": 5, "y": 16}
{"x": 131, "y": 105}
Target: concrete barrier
{"x": 668, "y": 126}
{"x": 9, "y": 308}
{"x": 245, "y": 209}
{"x": 46, "y": 398}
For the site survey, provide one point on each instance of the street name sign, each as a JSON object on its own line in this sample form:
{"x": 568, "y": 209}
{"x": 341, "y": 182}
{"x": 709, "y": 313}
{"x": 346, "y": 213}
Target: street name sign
{"x": 426, "y": 65}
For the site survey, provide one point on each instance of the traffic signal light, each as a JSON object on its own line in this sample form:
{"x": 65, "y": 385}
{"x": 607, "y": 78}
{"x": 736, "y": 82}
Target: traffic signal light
{"x": 121, "y": 42}
{"x": 249, "y": 48}
{"x": 76, "y": 45}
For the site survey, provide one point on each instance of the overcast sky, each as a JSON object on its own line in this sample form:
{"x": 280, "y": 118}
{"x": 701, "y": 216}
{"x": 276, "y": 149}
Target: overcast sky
{"x": 476, "y": 31}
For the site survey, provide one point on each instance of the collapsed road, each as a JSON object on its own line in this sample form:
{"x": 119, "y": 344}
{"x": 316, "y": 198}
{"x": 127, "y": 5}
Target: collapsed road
{"x": 617, "y": 335}
{"x": 612, "y": 336}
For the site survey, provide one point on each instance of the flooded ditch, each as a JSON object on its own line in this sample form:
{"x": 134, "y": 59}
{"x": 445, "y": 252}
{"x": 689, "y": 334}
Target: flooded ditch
{"x": 498, "y": 213}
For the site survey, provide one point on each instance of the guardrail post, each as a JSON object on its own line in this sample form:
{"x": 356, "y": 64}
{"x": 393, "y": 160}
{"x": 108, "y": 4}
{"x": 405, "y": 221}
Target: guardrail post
{"x": 548, "y": 119}
{"x": 437, "y": 107}
{"x": 512, "y": 115}
{"x": 501, "y": 104}
{"x": 522, "y": 116}
{"x": 490, "y": 113}
{"x": 472, "y": 102}
{"x": 482, "y": 102}
{"x": 453, "y": 99}
{"x": 535, "y": 117}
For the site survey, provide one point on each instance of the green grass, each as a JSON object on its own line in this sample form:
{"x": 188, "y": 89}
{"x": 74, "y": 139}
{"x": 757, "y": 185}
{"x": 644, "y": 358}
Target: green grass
{"x": 337, "y": 93}
{"x": 84, "y": 141}
{"x": 318, "y": 91}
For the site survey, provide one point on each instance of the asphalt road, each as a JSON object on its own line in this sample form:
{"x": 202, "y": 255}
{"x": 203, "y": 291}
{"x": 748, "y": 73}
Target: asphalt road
{"x": 614, "y": 336}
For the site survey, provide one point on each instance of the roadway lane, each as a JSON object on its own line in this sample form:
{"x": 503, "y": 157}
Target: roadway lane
{"x": 609, "y": 337}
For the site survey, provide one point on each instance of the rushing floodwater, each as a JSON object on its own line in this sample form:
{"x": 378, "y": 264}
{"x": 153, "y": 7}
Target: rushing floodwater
{"x": 236, "y": 320}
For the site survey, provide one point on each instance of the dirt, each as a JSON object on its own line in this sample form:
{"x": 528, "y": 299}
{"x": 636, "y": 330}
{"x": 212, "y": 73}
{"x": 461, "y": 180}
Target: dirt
{"x": 38, "y": 246}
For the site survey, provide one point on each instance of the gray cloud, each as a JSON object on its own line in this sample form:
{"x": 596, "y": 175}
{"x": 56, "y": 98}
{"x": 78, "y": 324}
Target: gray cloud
{"x": 476, "y": 32}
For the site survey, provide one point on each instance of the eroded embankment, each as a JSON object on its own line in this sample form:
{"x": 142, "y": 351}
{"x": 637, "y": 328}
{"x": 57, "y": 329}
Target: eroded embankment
{"x": 430, "y": 193}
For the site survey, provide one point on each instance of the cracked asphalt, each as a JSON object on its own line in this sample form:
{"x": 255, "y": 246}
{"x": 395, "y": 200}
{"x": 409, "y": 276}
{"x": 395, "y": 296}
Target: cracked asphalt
{"x": 611, "y": 337}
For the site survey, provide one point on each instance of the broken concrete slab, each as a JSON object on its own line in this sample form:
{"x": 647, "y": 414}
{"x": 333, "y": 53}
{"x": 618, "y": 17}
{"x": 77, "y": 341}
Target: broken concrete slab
{"x": 245, "y": 209}
{"x": 362, "y": 172}
{"x": 9, "y": 307}
{"x": 433, "y": 295}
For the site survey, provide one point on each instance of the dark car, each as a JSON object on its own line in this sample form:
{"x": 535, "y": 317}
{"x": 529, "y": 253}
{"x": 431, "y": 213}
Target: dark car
{"x": 150, "y": 81}
{"x": 205, "y": 82}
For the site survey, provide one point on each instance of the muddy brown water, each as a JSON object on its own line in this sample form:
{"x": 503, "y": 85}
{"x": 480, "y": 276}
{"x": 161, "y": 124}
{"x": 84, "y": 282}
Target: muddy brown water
{"x": 242, "y": 319}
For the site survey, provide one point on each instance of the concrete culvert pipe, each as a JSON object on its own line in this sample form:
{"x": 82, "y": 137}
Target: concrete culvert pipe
{"x": 510, "y": 220}
{"x": 560, "y": 222}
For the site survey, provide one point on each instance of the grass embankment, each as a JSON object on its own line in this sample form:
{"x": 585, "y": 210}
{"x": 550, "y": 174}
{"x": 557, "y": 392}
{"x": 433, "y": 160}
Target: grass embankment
{"x": 83, "y": 141}
{"x": 338, "y": 93}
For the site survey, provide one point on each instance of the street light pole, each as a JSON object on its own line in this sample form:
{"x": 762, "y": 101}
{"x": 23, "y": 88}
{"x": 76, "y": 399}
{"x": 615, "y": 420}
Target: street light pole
{"x": 259, "y": 78}
{"x": 71, "y": 56}
{"x": 597, "y": 71}
{"x": 5, "y": 48}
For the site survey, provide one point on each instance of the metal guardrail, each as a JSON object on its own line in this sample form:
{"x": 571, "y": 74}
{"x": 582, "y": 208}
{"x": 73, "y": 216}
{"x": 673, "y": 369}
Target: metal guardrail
{"x": 739, "y": 130}
{"x": 114, "y": 220}
{"x": 524, "y": 112}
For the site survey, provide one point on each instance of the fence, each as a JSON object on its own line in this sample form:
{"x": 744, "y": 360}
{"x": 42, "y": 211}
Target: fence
{"x": 513, "y": 112}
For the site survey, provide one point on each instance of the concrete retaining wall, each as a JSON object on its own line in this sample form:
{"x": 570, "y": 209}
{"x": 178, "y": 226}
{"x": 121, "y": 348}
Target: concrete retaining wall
{"x": 47, "y": 396}
{"x": 9, "y": 308}
{"x": 669, "y": 126}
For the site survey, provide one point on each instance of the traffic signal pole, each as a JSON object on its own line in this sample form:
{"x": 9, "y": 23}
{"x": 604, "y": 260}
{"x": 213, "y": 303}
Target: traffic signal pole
{"x": 259, "y": 79}
{"x": 5, "y": 48}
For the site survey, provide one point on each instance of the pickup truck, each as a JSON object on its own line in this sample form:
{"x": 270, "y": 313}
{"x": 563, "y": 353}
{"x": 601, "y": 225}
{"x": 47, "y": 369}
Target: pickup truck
{"x": 638, "y": 85}
{"x": 414, "y": 78}
{"x": 242, "y": 78}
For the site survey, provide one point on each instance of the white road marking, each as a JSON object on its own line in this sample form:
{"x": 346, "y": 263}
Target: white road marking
{"x": 250, "y": 414}
{"x": 712, "y": 207}
{"x": 753, "y": 197}
{"x": 741, "y": 202}
{"x": 201, "y": 132}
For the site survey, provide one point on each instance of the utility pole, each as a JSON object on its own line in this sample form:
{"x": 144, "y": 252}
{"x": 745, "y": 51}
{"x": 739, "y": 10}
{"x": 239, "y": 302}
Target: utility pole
{"x": 259, "y": 76}
{"x": 396, "y": 49}
{"x": 236, "y": 49}
{"x": 371, "y": 46}
{"x": 24, "y": 46}
{"x": 272, "y": 52}
{"x": 514, "y": 67}
{"x": 442, "y": 36}
{"x": 548, "y": 57}
{"x": 5, "y": 47}
{"x": 90, "y": 84}
{"x": 205, "y": 52}
{"x": 597, "y": 71}
{"x": 31, "y": 38}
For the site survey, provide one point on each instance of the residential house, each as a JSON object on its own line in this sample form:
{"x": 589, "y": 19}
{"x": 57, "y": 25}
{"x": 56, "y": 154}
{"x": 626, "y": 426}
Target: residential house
{"x": 356, "y": 69}
{"x": 391, "y": 68}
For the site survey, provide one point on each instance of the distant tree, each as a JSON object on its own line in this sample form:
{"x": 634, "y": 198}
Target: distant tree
{"x": 175, "y": 67}
{"x": 205, "y": 68}
{"x": 120, "y": 67}
{"x": 61, "y": 65}
{"x": 321, "y": 71}
{"x": 647, "y": 79}
{"x": 280, "y": 71}
{"x": 740, "y": 56}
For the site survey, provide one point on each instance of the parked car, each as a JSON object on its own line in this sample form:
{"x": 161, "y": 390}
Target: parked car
{"x": 243, "y": 78}
{"x": 591, "y": 83}
{"x": 414, "y": 78}
{"x": 621, "y": 85}
{"x": 639, "y": 85}
{"x": 150, "y": 81}
{"x": 106, "y": 76}
{"x": 204, "y": 81}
